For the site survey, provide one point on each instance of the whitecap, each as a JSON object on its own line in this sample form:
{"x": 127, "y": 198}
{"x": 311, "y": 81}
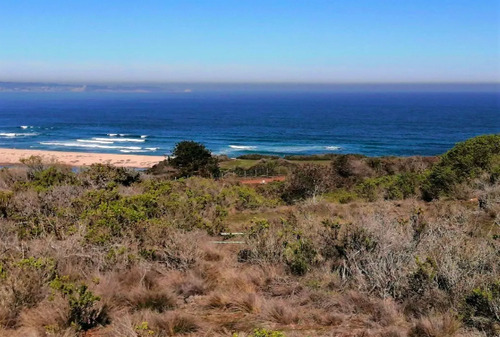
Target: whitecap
{"x": 13, "y": 134}
{"x": 144, "y": 136}
{"x": 24, "y": 127}
{"x": 95, "y": 141}
{"x": 152, "y": 148}
{"x": 133, "y": 151}
{"x": 112, "y": 134}
{"x": 94, "y": 146}
{"x": 332, "y": 148}
{"x": 134, "y": 140}
{"x": 242, "y": 147}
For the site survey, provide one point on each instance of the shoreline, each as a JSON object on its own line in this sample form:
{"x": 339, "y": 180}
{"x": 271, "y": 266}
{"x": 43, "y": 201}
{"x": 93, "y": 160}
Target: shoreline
{"x": 77, "y": 159}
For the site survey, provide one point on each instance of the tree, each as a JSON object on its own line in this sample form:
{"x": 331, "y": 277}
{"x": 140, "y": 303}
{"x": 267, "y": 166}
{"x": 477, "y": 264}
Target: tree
{"x": 192, "y": 158}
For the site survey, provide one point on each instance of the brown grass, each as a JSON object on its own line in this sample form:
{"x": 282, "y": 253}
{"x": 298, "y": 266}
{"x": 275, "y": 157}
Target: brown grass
{"x": 387, "y": 268}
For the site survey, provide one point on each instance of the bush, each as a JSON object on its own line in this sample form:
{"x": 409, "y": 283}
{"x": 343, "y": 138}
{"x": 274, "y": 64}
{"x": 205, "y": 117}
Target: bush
{"x": 299, "y": 255}
{"x": 482, "y": 308}
{"x": 46, "y": 178}
{"x": 4, "y": 203}
{"x": 100, "y": 175}
{"x": 267, "y": 333}
{"x": 467, "y": 160}
{"x": 84, "y": 313}
{"x": 306, "y": 181}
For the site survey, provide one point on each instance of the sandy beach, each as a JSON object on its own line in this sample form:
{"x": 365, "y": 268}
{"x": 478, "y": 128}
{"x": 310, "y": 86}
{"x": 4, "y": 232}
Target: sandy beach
{"x": 12, "y": 157}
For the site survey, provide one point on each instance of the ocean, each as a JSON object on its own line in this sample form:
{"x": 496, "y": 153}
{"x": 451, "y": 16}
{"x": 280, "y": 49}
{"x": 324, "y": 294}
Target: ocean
{"x": 277, "y": 122}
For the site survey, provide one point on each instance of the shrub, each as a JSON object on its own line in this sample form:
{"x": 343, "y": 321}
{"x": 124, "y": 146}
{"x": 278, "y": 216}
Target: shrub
{"x": 466, "y": 160}
{"x": 100, "y": 175}
{"x": 299, "y": 255}
{"x": 482, "y": 307}
{"x": 84, "y": 313}
{"x": 4, "y": 203}
{"x": 267, "y": 333}
{"x": 402, "y": 186}
{"x": 368, "y": 189}
{"x": 341, "y": 195}
{"x": 192, "y": 158}
{"x": 306, "y": 181}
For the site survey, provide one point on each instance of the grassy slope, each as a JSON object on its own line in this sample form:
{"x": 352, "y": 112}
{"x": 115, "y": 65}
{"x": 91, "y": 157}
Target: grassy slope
{"x": 315, "y": 268}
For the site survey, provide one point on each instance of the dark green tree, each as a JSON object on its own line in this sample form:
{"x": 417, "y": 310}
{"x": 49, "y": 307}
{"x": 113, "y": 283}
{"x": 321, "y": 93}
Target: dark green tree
{"x": 192, "y": 158}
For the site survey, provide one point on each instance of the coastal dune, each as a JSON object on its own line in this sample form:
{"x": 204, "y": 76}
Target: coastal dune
{"x": 13, "y": 157}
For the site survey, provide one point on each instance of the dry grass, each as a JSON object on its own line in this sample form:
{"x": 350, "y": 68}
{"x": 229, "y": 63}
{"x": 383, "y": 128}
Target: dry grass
{"x": 395, "y": 269}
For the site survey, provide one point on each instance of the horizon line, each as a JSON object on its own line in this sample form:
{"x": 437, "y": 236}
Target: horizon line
{"x": 255, "y": 82}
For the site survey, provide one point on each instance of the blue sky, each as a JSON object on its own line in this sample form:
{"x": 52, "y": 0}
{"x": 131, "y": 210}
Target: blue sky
{"x": 250, "y": 41}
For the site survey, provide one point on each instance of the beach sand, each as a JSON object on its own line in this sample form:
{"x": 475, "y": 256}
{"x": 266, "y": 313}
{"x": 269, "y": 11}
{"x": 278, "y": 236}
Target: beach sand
{"x": 12, "y": 157}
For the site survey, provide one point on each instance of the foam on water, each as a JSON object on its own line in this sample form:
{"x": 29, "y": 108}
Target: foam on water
{"x": 13, "y": 134}
{"x": 134, "y": 151}
{"x": 94, "y": 141}
{"x": 132, "y": 140}
{"x": 333, "y": 148}
{"x": 93, "y": 146}
{"x": 282, "y": 148}
{"x": 243, "y": 147}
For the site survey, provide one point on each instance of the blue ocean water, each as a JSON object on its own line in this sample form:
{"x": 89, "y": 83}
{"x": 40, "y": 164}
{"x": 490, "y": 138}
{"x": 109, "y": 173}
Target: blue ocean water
{"x": 241, "y": 122}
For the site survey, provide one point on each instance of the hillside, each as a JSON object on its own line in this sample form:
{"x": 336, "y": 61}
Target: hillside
{"x": 344, "y": 246}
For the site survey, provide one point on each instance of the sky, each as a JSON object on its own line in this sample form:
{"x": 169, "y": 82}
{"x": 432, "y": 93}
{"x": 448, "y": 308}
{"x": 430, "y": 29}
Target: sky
{"x": 333, "y": 41}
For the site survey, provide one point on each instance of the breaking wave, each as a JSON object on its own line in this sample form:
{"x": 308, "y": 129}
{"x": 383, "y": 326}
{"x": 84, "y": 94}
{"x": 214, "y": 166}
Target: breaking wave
{"x": 333, "y": 148}
{"x": 242, "y": 147}
{"x": 90, "y": 145}
{"x": 13, "y": 134}
{"x": 132, "y": 140}
{"x": 93, "y": 141}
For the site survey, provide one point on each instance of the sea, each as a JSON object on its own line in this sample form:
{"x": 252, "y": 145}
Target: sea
{"x": 238, "y": 122}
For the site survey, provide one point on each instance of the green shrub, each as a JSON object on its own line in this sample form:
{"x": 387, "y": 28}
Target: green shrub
{"x": 267, "y": 333}
{"x": 84, "y": 313}
{"x": 482, "y": 308}
{"x": 402, "y": 186}
{"x": 5, "y": 198}
{"x": 43, "y": 179}
{"x": 424, "y": 276}
{"x": 467, "y": 160}
{"x": 299, "y": 255}
{"x": 100, "y": 175}
{"x": 367, "y": 189}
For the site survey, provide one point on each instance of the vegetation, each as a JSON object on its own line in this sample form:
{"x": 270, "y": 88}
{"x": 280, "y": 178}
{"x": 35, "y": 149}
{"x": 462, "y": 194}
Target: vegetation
{"x": 192, "y": 158}
{"x": 189, "y": 158}
{"x": 348, "y": 247}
